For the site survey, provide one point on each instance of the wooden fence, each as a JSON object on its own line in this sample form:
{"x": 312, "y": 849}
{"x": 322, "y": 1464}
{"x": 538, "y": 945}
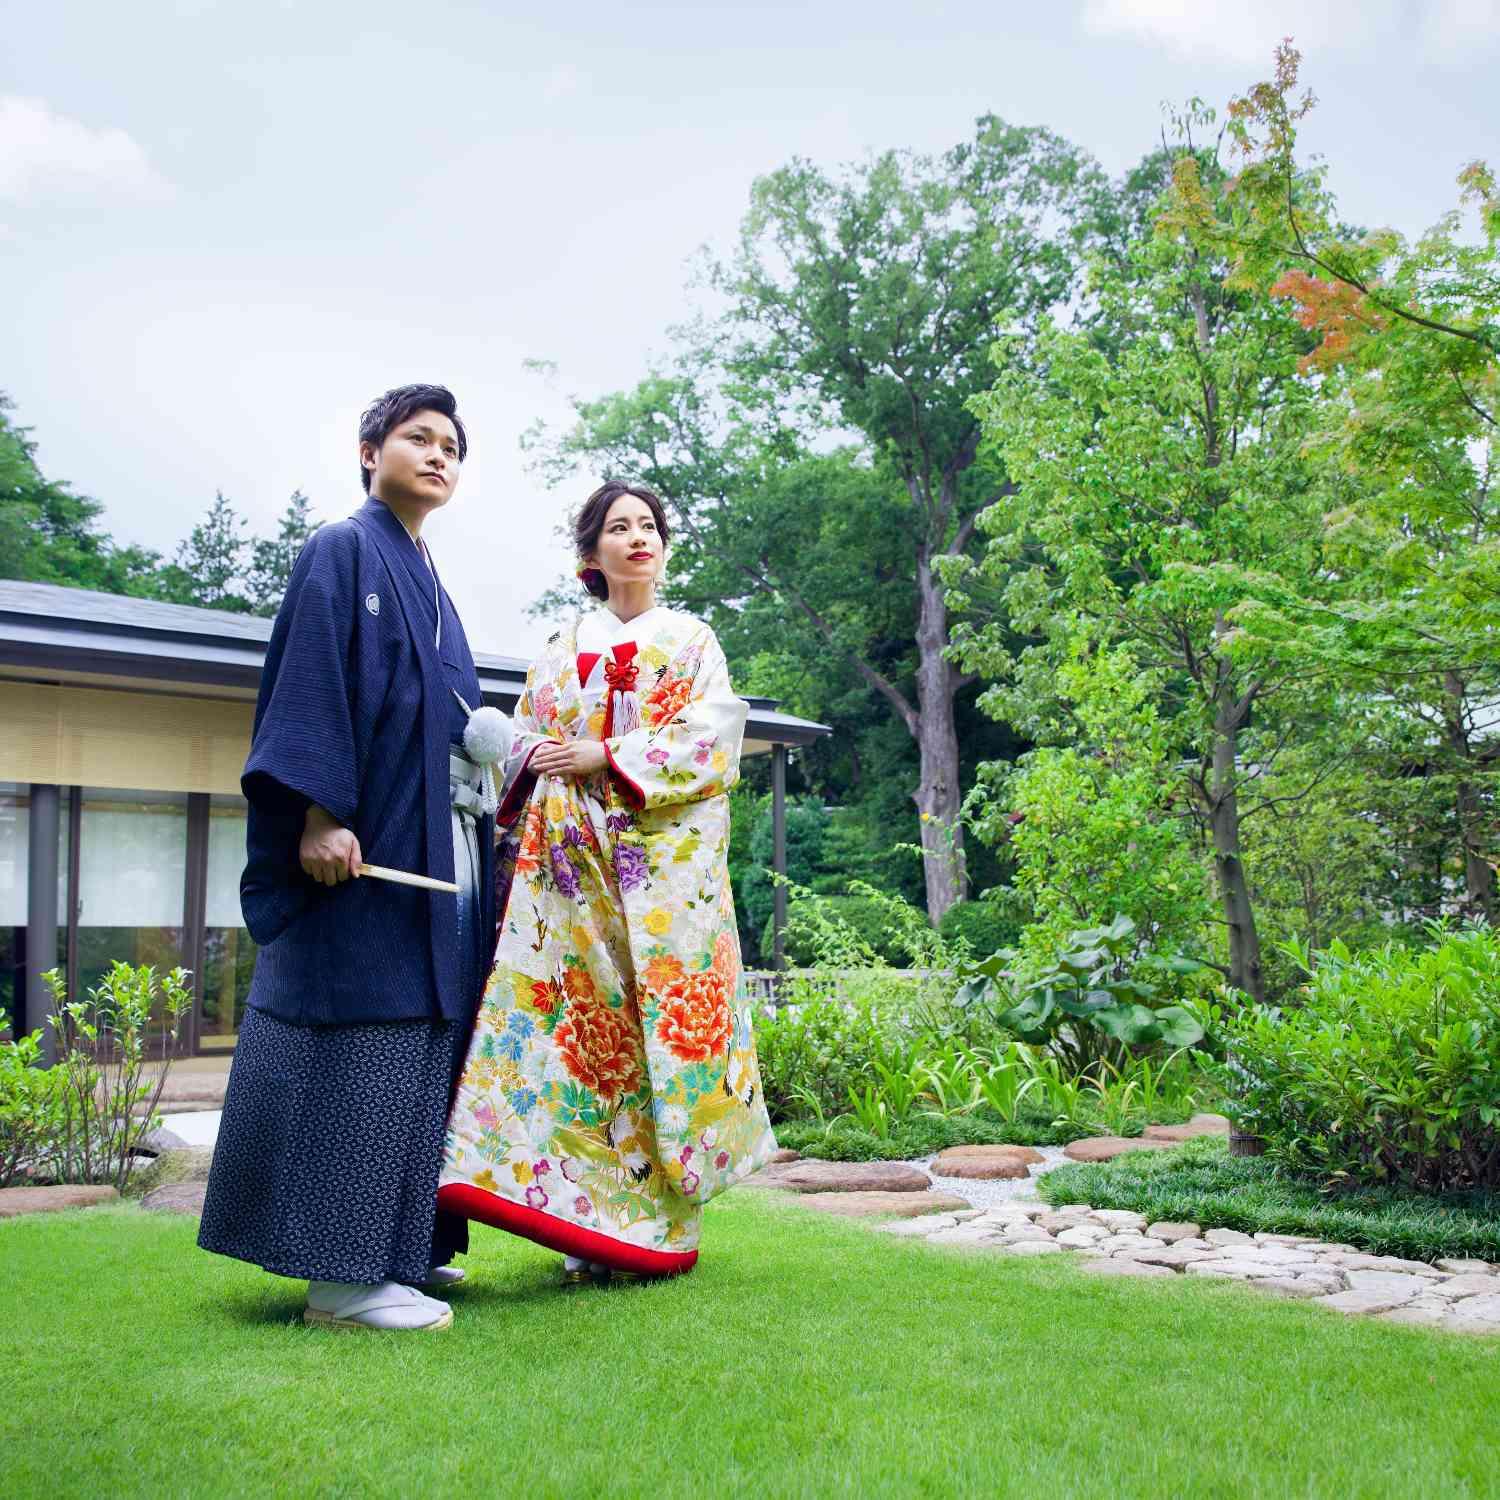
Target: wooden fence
{"x": 767, "y": 987}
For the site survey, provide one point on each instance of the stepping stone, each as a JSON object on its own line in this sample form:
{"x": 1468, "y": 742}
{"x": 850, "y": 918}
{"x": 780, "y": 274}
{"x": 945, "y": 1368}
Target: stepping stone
{"x": 1016, "y": 1232}
{"x": 1199, "y": 1125}
{"x": 176, "y": 1198}
{"x": 1227, "y": 1237}
{"x": 1122, "y": 1267}
{"x": 1234, "y": 1270}
{"x": 1119, "y": 1220}
{"x": 1023, "y": 1154}
{"x": 965, "y": 1235}
{"x": 809, "y": 1176}
{"x": 15, "y": 1201}
{"x": 1456, "y": 1287}
{"x": 782, "y": 1155}
{"x": 1288, "y": 1286}
{"x": 1359, "y": 1262}
{"x": 1108, "y": 1147}
{"x": 1170, "y": 1258}
{"x": 1082, "y": 1236}
{"x": 873, "y": 1205}
{"x": 1462, "y": 1267}
{"x": 981, "y": 1168}
{"x": 1057, "y": 1223}
{"x": 1167, "y": 1230}
{"x": 919, "y": 1228}
{"x": 1422, "y": 1316}
{"x": 1049, "y": 1246}
{"x": 1361, "y": 1302}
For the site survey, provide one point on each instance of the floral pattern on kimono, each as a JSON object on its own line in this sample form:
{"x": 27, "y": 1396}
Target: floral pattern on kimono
{"x": 611, "y": 1082}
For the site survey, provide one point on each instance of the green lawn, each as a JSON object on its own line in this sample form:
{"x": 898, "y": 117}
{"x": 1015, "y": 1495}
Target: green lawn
{"x": 806, "y": 1356}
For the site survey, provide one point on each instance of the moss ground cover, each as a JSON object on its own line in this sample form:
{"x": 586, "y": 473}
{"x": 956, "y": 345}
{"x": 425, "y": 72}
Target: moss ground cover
{"x": 1200, "y": 1182}
{"x": 804, "y": 1357}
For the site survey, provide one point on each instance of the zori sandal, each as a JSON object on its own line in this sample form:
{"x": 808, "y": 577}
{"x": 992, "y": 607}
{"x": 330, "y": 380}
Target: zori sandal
{"x": 387, "y": 1308}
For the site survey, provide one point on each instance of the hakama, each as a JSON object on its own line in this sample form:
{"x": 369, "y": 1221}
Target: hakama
{"x": 611, "y": 1087}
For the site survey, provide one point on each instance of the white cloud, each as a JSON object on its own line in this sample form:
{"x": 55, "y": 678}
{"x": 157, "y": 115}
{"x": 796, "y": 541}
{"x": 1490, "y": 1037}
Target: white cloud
{"x": 42, "y": 151}
{"x": 1247, "y": 32}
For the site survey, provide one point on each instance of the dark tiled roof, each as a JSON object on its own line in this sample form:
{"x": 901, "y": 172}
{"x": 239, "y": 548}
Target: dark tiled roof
{"x": 45, "y": 627}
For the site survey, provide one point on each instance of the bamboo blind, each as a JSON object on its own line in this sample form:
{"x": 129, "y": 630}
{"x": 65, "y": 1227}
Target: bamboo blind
{"x": 69, "y": 736}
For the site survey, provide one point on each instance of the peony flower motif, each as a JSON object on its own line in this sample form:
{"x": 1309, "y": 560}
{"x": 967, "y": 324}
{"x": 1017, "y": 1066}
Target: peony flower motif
{"x": 570, "y": 1169}
{"x": 600, "y": 1047}
{"x": 700, "y": 757}
{"x": 630, "y": 866}
{"x": 721, "y": 1160}
{"x": 657, "y": 921}
{"x": 690, "y": 1182}
{"x": 695, "y": 1022}
{"x": 582, "y": 1206}
{"x": 658, "y": 757}
{"x": 536, "y": 1196}
{"x": 563, "y": 873}
{"x": 661, "y": 970}
{"x": 544, "y": 701}
{"x": 579, "y": 983}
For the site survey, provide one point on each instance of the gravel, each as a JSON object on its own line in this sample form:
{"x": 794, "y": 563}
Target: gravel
{"x": 984, "y": 1194}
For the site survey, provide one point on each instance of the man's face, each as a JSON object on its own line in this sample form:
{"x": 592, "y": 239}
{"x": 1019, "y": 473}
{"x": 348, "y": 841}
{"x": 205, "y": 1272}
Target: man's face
{"x": 418, "y": 462}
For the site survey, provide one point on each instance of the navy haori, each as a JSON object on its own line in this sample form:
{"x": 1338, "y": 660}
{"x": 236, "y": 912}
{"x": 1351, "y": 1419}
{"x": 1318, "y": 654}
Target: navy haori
{"x": 356, "y": 713}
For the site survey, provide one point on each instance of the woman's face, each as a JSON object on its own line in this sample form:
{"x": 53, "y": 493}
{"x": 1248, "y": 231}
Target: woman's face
{"x": 630, "y": 547}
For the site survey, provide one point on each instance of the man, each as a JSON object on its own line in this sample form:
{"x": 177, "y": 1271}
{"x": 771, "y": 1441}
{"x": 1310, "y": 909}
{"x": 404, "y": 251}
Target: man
{"x": 365, "y": 989}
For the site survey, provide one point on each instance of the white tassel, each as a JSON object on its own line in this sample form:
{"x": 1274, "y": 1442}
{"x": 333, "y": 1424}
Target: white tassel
{"x": 487, "y": 736}
{"x": 627, "y": 713}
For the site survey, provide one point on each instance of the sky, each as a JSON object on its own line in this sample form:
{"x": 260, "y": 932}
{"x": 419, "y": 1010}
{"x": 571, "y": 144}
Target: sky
{"x": 224, "y": 227}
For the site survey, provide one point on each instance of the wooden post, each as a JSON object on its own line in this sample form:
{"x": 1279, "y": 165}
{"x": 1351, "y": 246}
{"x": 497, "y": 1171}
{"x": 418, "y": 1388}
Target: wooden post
{"x": 778, "y": 855}
{"x": 41, "y": 915}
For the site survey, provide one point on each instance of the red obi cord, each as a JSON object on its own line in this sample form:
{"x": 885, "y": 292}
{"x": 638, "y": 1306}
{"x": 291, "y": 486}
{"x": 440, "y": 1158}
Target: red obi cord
{"x": 621, "y": 671}
{"x": 567, "y": 1239}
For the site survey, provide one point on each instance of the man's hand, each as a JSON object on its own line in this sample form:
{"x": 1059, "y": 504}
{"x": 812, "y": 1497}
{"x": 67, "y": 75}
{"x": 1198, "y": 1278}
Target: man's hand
{"x": 575, "y": 758}
{"x": 329, "y": 852}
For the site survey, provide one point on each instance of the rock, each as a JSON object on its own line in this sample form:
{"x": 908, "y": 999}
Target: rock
{"x": 1361, "y": 1262}
{"x": 1017, "y": 1233}
{"x": 964, "y": 1215}
{"x": 1395, "y": 1283}
{"x": 1223, "y": 1237}
{"x": 1169, "y": 1257}
{"x": 1411, "y": 1313}
{"x": 15, "y": 1201}
{"x": 783, "y": 1155}
{"x": 1023, "y": 1154}
{"x": 1118, "y": 1219}
{"x": 1049, "y": 1246}
{"x": 919, "y": 1227}
{"x": 181, "y": 1164}
{"x": 1360, "y": 1302}
{"x": 1286, "y": 1241}
{"x": 1286, "y": 1286}
{"x": 1008, "y": 1213}
{"x": 809, "y": 1176}
{"x": 1479, "y": 1308}
{"x": 1167, "y": 1230}
{"x": 1462, "y": 1267}
{"x": 981, "y": 1168}
{"x": 1107, "y": 1147}
{"x": 1326, "y": 1284}
{"x": 1124, "y": 1244}
{"x": 970, "y": 1235}
{"x": 1082, "y": 1236}
{"x": 1056, "y": 1223}
{"x": 1198, "y": 1244}
{"x": 1465, "y": 1286}
{"x": 1233, "y": 1270}
{"x": 1123, "y": 1267}
{"x": 176, "y": 1198}
{"x": 157, "y": 1141}
{"x": 871, "y": 1205}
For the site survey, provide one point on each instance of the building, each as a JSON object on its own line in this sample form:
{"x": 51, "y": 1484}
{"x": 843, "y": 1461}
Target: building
{"x": 123, "y": 727}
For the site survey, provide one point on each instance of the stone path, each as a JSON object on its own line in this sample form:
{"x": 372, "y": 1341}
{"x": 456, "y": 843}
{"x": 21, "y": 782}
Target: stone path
{"x": 1001, "y": 1214}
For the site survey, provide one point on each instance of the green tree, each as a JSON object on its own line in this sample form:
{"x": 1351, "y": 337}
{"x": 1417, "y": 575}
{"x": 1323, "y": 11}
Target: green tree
{"x": 1162, "y": 482}
{"x": 273, "y": 558}
{"x": 209, "y": 568}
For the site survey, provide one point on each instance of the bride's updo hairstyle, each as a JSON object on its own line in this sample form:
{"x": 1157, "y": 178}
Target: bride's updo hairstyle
{"x": 589, "y": 527}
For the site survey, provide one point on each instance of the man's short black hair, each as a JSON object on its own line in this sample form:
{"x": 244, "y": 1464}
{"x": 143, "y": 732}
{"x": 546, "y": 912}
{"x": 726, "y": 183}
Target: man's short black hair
{"x": 393, "y": 408}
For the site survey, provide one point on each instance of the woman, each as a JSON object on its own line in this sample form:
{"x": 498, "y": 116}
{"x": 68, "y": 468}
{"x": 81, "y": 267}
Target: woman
{"x": 611, "y": 1087}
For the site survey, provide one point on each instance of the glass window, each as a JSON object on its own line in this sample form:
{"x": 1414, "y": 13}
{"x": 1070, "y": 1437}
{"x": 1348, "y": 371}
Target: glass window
{"x": 132, "y": 880}
{"x": 228, "y": 952}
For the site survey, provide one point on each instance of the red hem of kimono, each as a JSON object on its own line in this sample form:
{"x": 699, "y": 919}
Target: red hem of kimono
{"x": 636, "y": 794}
{"x": 520, "y": 790}
{"x": 568, "y": 1239}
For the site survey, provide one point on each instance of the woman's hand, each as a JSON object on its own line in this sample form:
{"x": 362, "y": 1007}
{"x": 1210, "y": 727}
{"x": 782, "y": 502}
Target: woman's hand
{"x": 572, "y": 758}
{"x": 329, "y": 852}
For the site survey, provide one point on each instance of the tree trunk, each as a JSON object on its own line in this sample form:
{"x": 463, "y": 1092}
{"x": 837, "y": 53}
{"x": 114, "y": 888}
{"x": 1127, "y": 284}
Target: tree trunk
{"x": 1224, "y": 825}
{"x": 939, "y": 795}
{"x": 1479, "y": 876}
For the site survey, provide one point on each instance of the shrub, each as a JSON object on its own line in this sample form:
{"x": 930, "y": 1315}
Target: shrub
{"x": 925, "y": 1135}
{"x": 1202, "y": 1184}
{"x": 31, "y": 1107}
{"x": 813, "y": 1051}
{"x": 1388, "y": 1071}
{"x": 984, "y": 925}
